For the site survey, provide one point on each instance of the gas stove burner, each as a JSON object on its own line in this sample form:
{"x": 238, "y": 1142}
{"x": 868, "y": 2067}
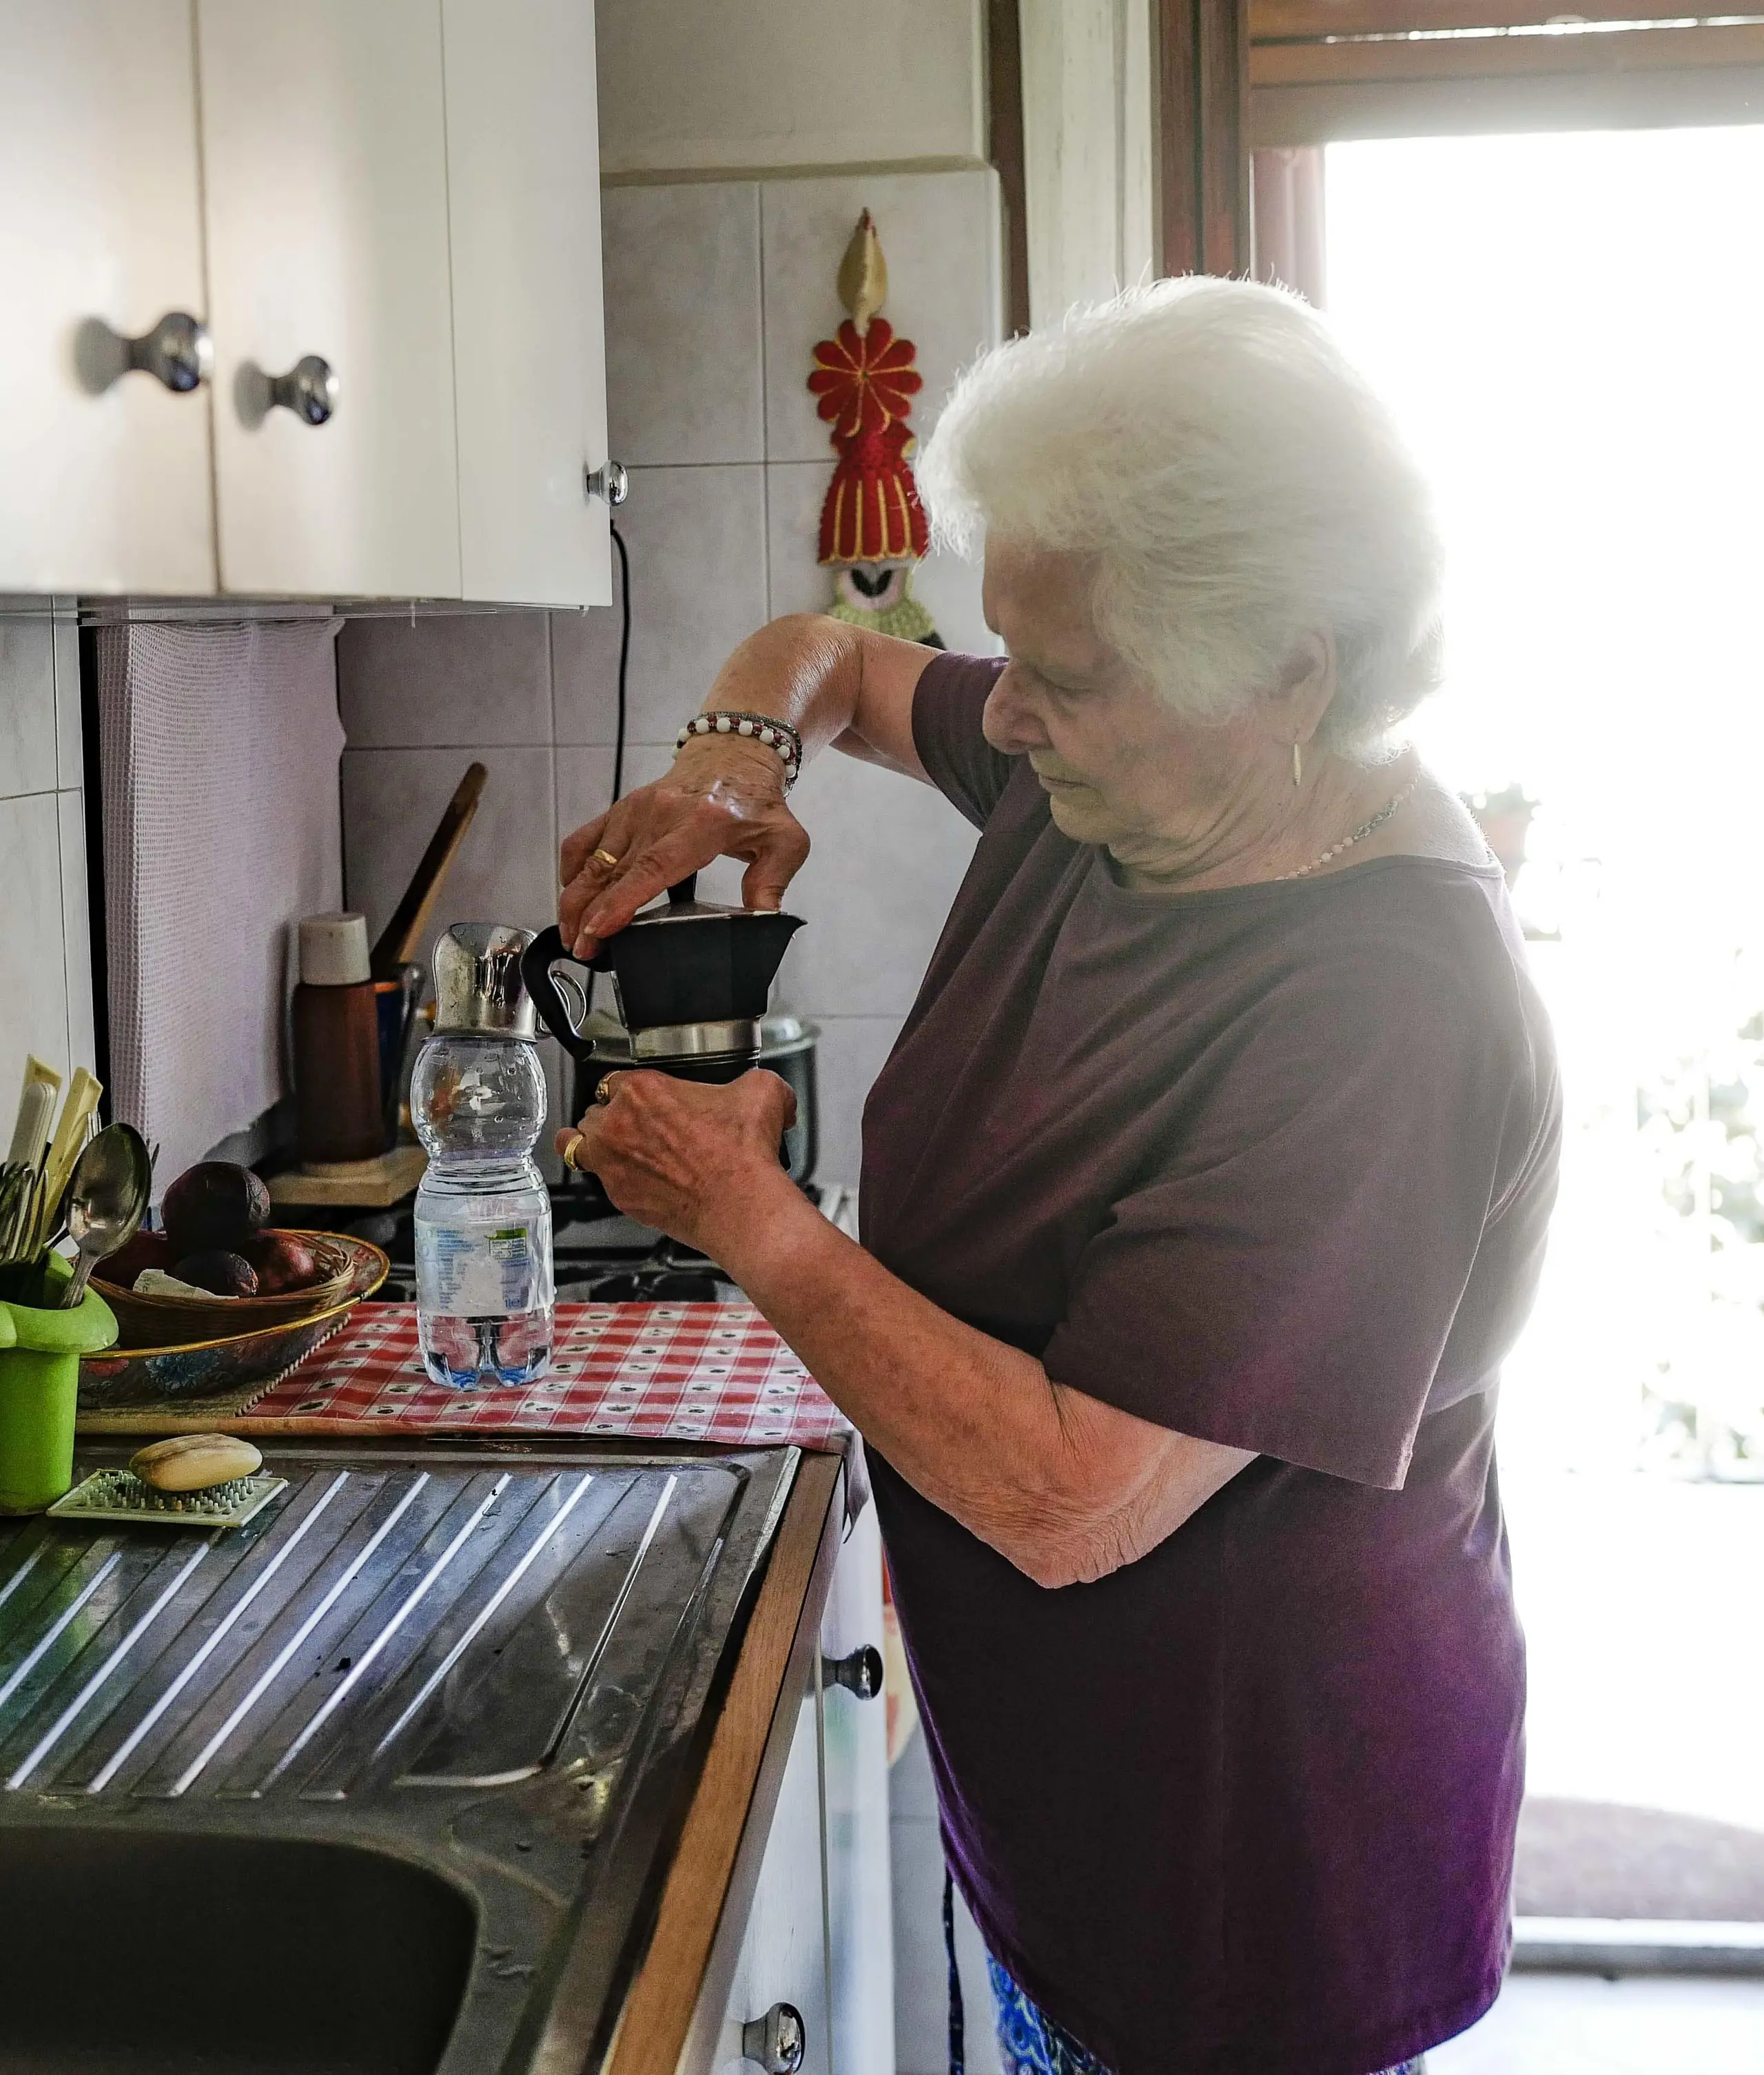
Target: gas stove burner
{"x": 669, "y": 1274}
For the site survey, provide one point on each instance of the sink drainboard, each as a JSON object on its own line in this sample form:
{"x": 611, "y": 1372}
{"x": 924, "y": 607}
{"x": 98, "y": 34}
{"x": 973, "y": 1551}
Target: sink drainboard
{"x": 378, "y": 1613}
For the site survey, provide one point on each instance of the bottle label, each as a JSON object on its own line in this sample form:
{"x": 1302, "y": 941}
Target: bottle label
{"x": 485, "y": 1273}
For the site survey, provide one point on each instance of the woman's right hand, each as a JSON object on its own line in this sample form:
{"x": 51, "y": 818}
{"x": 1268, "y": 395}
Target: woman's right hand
{"x": 722, "y": 798}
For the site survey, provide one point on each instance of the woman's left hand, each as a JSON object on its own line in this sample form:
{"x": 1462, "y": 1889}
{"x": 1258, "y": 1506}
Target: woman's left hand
{"x": 684, "y": 1158}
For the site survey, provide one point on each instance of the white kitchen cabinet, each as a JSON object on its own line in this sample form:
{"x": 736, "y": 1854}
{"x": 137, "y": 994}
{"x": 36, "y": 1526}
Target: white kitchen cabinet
{"x": 386, "y": 216}
{"x": 324, "y": 160}
{"x": 104, "y": 474}
{"x": 529, "y": 354}
{"x": 817, "y": 1937}
{"x": 854, "y": 1742}
{"x": 783, "y": 1958}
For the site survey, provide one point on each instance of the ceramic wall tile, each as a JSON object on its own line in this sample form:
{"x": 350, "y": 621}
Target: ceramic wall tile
{"x": 697, "y": 542}
{"x": 585, "y": 786}
{"x": 683, "y": 356}
{"x": 940, "y": 235}
{"x": 33, "y": 976}
{"x": 75, "y": 930}
{"x": 888, "y": 857}
{"x": 27, "y": 744}
{"x": 584, "y": 671}
{"x": 506, "y": 868}
{"x": 848, "y": 1060}
{"x": 948, "y": 586}
{"x": 465, "y": 679}
{"x": 70, "y": 763}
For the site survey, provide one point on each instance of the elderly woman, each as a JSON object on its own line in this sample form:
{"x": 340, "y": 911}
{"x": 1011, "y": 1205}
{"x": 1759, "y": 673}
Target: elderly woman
{"x": 1203, "y": 1195}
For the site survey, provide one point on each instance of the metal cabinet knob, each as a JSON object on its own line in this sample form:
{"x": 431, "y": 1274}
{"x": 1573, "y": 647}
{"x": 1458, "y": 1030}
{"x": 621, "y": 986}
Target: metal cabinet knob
{"x": 177, "y": 351}
{"x": 308, "y": 390}
{"x": 860, "y": 1673}
{"x": 609, "y": 481}
{"x": 776, "y": 2041}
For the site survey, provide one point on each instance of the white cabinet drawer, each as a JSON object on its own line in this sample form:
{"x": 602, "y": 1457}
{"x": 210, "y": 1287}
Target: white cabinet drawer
{"x": 784, "y": 1950}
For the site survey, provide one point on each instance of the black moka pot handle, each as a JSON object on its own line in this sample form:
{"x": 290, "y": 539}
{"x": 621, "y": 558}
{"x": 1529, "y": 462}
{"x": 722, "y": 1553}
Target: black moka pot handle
{"x": 544, "y": 951}
{"x": 547, "y": 950}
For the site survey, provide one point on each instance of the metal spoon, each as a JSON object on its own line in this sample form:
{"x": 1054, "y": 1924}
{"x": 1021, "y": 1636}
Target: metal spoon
{"x": 107, "y": 1199}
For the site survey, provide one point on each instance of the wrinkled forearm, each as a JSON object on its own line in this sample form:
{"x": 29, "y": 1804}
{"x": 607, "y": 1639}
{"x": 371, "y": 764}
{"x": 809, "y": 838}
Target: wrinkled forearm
{"x": 1063, "y": 1487}
{"x": 803, "y": 668}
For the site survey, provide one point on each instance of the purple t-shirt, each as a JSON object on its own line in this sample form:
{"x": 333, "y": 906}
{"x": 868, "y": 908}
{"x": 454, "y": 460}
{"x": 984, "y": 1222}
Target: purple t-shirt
{"x": 1269, "y": 1165}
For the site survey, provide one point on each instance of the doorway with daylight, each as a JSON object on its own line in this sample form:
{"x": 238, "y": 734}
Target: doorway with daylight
{"x": 1570, "y": 328}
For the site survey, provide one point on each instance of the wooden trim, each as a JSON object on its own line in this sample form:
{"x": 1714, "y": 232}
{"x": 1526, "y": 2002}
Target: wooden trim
{"x": 1343, "y": 114}
{"x": 1227, "y": 234}
{"x": 658, "y": 2012}
{"x": 1503, "y": 57}
{"x": 1005, "y": 147}
{"x": 1175, "y": 158}
{"x": 1287, "y": 21}
{"x": 1201, "y": 152}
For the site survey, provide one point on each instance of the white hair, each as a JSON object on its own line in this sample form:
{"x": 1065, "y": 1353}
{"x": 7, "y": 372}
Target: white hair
{"x": 1236, "y": 480}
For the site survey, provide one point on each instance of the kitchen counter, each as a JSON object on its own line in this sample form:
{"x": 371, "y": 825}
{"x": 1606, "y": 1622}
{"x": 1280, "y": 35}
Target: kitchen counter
{"x": 559, "y": 1683}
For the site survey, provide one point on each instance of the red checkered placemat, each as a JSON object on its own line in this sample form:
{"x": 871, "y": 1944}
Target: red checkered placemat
{"x": 649, "y": 1372}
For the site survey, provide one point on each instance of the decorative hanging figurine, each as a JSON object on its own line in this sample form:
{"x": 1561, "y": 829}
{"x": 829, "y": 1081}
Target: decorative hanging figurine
{"x": 872, "y": 525}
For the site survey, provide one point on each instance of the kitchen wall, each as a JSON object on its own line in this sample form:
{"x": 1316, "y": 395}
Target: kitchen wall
{"x": 45, "y": 959}
{"x": 716, "y": 293}
{"x": 776, "y": 85}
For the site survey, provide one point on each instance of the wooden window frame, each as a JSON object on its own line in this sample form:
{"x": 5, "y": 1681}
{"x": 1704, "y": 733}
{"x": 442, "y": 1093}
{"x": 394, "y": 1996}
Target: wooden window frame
{"x": 1200, "y": 152}
{"x": 1327, "y": 71}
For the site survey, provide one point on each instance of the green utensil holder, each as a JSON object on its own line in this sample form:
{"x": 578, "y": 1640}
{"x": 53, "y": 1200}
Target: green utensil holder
{"x": 40, "y": 1390}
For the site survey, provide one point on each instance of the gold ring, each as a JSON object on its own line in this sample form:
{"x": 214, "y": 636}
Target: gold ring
{"x": 603, "y": 1092}
{"x": 606, "y": 857}
{"x": 569, "y": 1154}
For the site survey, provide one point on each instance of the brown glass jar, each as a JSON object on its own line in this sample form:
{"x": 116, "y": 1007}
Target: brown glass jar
{"x": 337, "y": 1081}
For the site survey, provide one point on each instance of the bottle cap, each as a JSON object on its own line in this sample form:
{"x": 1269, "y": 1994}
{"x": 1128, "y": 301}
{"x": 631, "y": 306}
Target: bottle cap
{"x": 478, "y": 982}
{"x": 334, "y": 950}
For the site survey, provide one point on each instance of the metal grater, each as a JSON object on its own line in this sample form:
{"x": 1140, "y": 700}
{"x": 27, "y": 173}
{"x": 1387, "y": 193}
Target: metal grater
{"x": 120, "y": 1495}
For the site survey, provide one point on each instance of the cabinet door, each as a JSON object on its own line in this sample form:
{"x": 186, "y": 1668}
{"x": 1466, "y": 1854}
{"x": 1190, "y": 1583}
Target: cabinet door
{"x": 783, "y": 1951}
{"x": 524, "y": 189}
{"x": 325, "y": 179}
{"x": 103, "y": 486}
{"x": 860, "y": 1922}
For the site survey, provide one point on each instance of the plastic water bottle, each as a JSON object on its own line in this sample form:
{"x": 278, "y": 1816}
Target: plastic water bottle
{"x": 484, "y": 1304}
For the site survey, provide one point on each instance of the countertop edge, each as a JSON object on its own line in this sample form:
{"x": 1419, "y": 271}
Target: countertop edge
{"x": 758, "y": 1713}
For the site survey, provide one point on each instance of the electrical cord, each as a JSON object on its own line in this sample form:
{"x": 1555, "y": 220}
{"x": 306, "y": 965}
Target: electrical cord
{"x": 624, "y": 660}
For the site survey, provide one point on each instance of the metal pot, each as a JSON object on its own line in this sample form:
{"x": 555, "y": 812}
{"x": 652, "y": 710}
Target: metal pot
{"x": 786, "y": 1048}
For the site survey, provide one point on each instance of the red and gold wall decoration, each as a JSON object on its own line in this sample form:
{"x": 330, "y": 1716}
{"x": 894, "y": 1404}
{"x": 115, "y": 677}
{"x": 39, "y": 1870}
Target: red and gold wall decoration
{"x": 872, "y": 525}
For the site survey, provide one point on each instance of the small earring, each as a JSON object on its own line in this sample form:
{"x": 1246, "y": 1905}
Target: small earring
{"x": 1297, "y": 767}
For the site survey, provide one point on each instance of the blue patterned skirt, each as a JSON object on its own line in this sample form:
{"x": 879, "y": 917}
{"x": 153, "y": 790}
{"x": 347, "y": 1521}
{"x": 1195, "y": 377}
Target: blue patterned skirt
{"x": 1030, "y": 2043}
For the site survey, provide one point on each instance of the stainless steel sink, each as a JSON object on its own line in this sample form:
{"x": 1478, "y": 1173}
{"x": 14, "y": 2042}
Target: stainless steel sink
{"x": 162, "y": 1953}
{"x": 383, "y": 1780}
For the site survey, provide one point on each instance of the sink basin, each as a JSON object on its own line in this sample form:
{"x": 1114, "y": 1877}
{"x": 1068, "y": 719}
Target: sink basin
{"x": 146, "y": 1951}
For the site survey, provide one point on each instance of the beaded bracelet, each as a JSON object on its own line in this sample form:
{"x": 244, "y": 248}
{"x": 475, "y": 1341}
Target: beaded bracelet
{"x": 776, "y": 735}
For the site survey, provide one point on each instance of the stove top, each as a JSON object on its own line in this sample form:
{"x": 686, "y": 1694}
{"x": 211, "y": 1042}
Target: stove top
{"x": 603, "y": 1260}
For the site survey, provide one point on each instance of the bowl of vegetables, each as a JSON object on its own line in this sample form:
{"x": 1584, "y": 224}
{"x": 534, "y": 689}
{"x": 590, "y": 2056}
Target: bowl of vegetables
{"x": 218, "y": 1269}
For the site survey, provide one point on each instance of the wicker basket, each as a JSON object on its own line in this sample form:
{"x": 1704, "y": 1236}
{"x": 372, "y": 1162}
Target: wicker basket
{"x": 176, "y": 1322}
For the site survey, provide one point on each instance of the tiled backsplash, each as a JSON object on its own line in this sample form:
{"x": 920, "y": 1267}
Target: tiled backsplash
{"x": 716, "y": 293}
{"x": 45, "y": 959}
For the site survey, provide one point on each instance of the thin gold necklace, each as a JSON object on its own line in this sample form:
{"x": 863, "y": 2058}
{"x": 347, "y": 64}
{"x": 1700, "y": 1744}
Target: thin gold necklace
{"x": 1359, "y": 835}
